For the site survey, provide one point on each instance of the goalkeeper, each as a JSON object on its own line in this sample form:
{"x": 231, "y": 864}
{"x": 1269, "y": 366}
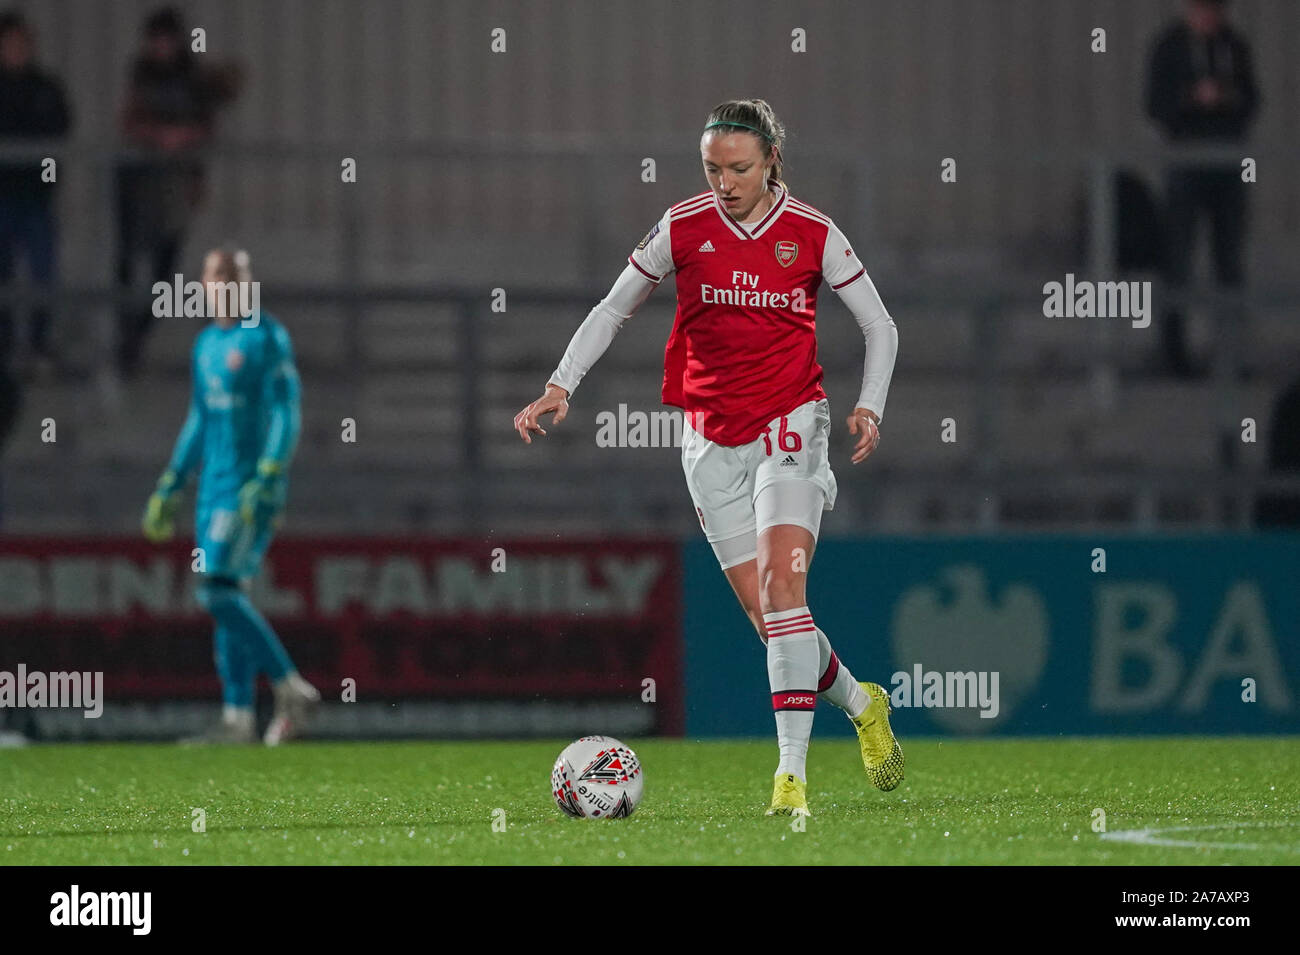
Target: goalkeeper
{"x": 243, "y": 426}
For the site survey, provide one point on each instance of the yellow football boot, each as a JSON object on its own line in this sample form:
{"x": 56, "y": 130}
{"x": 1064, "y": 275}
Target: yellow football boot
{"x": 881, "y": 754}
{"x": 789, "y": 796}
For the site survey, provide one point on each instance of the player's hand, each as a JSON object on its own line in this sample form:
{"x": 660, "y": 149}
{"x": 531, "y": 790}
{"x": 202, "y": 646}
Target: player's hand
{"x": 554, "y": 399}
{"x": 262, "y": 497}
{"x": 863, "y": 424}
{"x": 159, "y": 522}
{"x": 1207, "y": 93}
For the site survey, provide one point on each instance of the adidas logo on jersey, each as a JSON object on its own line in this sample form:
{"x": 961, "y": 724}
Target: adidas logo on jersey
{"x": 708, "y": 246}
{"x": 789, "y": 462}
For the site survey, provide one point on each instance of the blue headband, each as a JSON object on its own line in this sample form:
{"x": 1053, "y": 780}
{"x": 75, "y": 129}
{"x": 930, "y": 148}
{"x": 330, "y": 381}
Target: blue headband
{"x": 725, "y": 122}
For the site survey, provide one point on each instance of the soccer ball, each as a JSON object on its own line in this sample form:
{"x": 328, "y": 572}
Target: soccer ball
{"x": 597, "y": 777}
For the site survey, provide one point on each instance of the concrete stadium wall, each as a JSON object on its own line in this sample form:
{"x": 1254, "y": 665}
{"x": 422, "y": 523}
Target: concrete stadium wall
{"x": 1009, "y": 89}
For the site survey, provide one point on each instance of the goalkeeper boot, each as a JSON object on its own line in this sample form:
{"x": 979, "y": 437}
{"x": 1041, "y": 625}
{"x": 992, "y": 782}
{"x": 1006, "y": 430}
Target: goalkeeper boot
{"x": 881, "y": 754}
{"x": 295, "y": 704}
{"x": 236, "y": 727}
{"x": 789, "y": 796}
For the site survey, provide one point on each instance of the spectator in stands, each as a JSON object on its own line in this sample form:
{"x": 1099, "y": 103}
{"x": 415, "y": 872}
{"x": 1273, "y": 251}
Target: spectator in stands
{"x": 169, "y": 115}
{"x": 1201, "y": 91}
{"x": 11, "y": 402}
{"x": 1282, "y": 509}
{"x": 32, "y": 109}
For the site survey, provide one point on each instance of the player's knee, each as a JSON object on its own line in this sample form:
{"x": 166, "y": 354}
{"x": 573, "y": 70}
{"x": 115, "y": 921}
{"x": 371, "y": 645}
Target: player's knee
{"x": 214, "y": 596}
{"x": 780, "y": 589}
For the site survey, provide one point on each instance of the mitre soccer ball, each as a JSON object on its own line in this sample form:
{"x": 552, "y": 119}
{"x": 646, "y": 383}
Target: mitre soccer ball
{"x": 597, "y": 777}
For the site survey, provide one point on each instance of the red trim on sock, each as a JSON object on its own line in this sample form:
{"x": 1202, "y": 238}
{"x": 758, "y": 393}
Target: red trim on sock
{"x": 783, "y": 628}
{"x": 832, "y": 671}
{"x": 794, "y": 700}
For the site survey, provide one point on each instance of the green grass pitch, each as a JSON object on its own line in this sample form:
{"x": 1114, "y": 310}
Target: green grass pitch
{"x": 1026, "y": 802}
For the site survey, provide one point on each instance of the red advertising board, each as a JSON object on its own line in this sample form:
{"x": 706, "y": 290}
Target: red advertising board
{"x": 560, "y": 627}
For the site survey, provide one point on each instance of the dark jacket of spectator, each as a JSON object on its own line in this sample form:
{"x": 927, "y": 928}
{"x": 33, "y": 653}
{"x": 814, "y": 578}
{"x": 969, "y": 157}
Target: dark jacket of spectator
{"x": 175, "y": 94}
{"x": 1182, "y": 58}
{"x": 32, "y": 107}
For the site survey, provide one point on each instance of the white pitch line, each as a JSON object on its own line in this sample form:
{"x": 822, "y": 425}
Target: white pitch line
{"x": 1151, "y": 836}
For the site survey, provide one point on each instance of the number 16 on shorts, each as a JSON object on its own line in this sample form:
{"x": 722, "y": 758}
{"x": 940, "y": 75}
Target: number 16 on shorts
{"x": 786, "y": 439}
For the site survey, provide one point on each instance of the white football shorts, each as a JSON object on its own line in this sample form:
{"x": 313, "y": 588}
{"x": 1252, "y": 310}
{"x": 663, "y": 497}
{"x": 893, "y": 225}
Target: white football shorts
{"x": 782, "y": 477}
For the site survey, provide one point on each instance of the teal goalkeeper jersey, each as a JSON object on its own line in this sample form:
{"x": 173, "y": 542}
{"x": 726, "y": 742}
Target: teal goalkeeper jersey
{"x": 244, "y": 407}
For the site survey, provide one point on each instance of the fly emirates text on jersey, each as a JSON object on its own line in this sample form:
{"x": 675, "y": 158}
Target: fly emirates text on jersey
{"x": 745, "y": 292}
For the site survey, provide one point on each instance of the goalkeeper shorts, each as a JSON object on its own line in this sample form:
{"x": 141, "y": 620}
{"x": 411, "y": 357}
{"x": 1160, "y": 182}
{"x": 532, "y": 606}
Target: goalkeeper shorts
{"x": 231, "y": 547}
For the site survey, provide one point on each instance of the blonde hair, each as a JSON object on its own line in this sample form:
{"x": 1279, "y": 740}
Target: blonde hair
{"x": 235, "y": 262}
{"x": 756, "y": 117}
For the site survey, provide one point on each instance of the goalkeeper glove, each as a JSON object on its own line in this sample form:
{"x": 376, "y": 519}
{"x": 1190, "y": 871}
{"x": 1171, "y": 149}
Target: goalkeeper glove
{"x": 159, "y": 522}
{"x": 262, "y": 497}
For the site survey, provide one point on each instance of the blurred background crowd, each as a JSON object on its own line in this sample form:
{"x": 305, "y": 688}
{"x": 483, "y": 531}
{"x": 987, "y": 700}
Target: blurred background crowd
{"x": 520, "y": 166}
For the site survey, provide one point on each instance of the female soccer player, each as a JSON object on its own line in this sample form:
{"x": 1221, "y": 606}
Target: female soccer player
{"x": 742, "y": 363}
{"x": 243, "y": 425}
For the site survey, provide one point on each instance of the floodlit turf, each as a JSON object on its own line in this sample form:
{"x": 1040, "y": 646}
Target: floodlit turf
{"x": 964, "y": 802}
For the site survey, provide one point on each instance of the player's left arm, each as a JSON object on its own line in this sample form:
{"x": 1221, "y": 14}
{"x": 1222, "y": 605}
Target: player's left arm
{"x": 159, "y": 522}
{"x": 848, "y": 277}
{"x": 263, "y": 496}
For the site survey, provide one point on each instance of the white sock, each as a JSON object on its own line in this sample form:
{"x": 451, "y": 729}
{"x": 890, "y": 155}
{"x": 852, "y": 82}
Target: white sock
{"x": 837, "y": 684}
{"x": 236, "y": 715}
{"x": 792, "y": 675}
{"x": 292, "y": 682}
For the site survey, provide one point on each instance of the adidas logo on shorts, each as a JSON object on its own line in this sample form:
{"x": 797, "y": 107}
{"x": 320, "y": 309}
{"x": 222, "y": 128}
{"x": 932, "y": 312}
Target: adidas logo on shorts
{"x": 708, "y": 246}
{"x": 789, "y": 462}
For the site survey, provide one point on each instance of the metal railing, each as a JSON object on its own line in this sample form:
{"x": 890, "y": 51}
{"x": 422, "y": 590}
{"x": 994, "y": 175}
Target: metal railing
{"x": 990, "y": 484}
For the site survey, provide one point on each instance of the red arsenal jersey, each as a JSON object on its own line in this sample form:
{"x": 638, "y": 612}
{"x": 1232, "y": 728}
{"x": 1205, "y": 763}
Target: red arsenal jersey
{"x": 743, "y": 348}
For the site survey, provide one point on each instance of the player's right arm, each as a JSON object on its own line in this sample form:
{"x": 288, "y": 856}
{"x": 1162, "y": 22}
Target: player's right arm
{"x": 647, "y": 266}
{"x": 159, "y": 522}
